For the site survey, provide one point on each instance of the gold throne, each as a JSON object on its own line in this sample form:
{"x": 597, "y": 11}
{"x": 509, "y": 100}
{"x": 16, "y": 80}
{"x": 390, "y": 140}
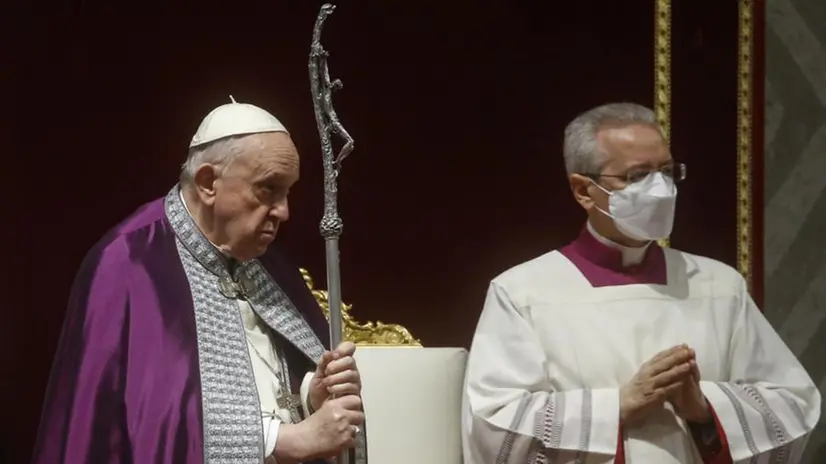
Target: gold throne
{"x": 369, "y": 333}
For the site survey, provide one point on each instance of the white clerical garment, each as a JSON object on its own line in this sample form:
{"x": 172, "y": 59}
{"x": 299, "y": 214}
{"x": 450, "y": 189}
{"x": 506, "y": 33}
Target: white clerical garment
{"x": 560, "y": 334}
{"x": 267, "y": 366}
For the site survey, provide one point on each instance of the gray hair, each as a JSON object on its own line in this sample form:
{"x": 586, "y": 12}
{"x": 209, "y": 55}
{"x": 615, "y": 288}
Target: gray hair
{"x": 580, "y": 147}
{"x": 221, "y": 153}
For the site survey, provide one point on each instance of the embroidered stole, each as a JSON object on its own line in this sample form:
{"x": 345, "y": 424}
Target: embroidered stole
{"x": 231, "y": 407}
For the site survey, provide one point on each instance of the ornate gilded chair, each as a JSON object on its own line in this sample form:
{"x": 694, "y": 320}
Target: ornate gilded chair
{"x": 412, "y": 395}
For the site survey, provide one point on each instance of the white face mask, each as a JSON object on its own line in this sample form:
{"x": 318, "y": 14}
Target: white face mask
{"x": 643, "y": 210}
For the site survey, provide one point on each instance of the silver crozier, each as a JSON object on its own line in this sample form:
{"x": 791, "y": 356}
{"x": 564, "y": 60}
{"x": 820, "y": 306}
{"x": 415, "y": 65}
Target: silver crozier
{"x": 328, "y": 123}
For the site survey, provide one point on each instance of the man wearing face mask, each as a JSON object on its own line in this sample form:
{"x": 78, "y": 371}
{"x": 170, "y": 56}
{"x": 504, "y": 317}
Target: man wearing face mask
{"x": 613, "y": 349}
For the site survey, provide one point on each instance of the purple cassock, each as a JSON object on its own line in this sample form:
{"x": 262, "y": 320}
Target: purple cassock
{"x": 152, "y": 364}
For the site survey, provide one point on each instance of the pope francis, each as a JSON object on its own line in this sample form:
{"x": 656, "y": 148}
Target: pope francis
{"x": 189, "y": 338}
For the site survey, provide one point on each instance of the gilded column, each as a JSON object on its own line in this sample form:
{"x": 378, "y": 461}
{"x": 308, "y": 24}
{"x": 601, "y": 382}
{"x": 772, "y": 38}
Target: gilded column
{"x": 662, "y": 70}
{"x": 745, "y": 48}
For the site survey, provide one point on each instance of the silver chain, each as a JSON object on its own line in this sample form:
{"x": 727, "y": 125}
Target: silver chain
{"x": 284, "y": 396}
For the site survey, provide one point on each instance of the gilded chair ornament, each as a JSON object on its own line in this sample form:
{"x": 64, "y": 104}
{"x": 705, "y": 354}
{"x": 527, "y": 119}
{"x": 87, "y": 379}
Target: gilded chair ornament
{"x": 369, "y": 333}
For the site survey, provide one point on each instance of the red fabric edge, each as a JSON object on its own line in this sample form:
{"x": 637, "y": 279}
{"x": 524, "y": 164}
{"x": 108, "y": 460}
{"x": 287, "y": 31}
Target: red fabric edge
{"x": 723, "y": 456}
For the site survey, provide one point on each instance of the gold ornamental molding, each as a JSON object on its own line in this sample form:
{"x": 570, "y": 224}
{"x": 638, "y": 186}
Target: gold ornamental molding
{"x": 745, "y": 99}
{"x": 662, "y": 71}
{"x": 369, "y": 333}
{"x": 745, "y": 123}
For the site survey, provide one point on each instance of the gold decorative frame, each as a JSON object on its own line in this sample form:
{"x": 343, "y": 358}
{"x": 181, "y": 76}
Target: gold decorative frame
{"x": 662, "y": 71}
{"x": 370, "y": 333}
{"x": 745, "y": 94}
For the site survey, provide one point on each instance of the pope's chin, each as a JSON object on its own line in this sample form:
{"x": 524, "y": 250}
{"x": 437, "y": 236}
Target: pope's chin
{"x": 256, "y": 245}
{"x": 265, "y": 238}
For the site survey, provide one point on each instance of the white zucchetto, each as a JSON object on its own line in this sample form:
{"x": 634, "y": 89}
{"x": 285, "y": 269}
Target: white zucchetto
{"x": 234, "y": 119}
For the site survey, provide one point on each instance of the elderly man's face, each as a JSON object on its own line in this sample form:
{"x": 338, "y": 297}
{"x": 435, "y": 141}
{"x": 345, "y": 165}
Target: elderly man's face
{"x": 632, "y": 152}
{"x": 250, "y": 197}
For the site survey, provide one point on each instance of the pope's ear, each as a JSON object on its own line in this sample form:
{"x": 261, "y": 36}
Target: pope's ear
{"x": 205, "y": 179}
{"x": 580, "y": 187}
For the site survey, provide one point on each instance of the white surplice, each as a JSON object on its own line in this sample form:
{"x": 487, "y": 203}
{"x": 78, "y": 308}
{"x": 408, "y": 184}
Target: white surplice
{"x": 551, "y": 351}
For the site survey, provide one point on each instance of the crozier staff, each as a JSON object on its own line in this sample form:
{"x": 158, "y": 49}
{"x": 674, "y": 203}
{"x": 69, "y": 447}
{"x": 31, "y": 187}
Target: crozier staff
{"x": 612, "y": 349}
{"x": 189, "y": 337}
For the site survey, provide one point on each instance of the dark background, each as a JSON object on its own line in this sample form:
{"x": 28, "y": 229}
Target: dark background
{"x": 457, "y": 110}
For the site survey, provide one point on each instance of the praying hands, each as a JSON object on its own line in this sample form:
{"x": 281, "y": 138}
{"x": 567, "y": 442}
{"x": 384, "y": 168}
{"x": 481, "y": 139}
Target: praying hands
{"x": 672, "y": 375}
{"x": 688, "y": 400}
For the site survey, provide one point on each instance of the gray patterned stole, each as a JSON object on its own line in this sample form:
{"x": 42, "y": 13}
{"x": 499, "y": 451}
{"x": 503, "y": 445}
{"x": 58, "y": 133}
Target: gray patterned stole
{"x": 231, "y": 409}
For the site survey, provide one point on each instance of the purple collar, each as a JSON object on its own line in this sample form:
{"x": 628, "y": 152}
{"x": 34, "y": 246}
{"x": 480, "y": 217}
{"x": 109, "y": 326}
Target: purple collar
{"x": 602, "y": 265}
